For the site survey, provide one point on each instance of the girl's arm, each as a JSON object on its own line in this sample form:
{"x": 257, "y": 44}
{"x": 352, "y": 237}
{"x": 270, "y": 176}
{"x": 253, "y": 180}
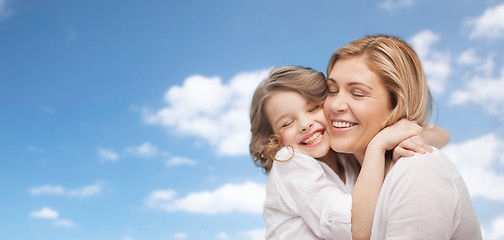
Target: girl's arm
{"x": 435, "y": 136}
{"x": 367, "y": 187}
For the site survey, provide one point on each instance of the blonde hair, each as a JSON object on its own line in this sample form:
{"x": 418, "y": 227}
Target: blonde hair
{"x": 399, "y": 67}
{"x": 264, "y": 144}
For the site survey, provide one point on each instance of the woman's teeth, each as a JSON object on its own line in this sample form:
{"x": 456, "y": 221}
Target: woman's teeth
{"x": 343, "y": 124}
{"x": 313, "y": 138}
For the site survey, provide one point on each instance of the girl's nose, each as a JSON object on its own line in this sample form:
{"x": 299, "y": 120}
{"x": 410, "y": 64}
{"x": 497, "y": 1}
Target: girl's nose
{"x": 305, "y": 124}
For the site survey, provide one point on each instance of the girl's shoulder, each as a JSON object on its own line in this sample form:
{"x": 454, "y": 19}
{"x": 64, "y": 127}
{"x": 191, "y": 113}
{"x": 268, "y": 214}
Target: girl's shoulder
{"x": 288, "y": 157}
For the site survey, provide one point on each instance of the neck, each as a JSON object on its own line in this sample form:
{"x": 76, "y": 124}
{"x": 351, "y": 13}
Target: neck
{"x": 360, "y": 157}
{"x": 331, "y": 159}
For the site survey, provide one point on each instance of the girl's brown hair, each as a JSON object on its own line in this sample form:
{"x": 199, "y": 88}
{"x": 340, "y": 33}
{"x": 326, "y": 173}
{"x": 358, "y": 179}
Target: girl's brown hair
{"x": 264, "y": 144}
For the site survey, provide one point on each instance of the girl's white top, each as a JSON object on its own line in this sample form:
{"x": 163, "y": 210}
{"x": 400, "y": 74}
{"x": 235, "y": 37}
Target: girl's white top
{"x": 305, "y": 199}
{"x": 425, "y": 197}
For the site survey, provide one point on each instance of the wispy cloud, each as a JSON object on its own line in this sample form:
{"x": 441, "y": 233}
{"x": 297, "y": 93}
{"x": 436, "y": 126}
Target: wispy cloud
{"x": 495, "y": 230}
{"x": 468, "y": 57}
{"x": 47, "y": 189}
{"x": 64, "y": 223}
{"x": 145, "y": 149}
{"x": 223, "y": 236}
{"x": 247, "y": 197}
{"x": 107, "y": 155}
{"x": 256, "y": 234}
{"x": 175, "y": 161}
{"x": 483, "y": 88}
{"x": 51, "y": 214}
{"x": 206, "y": 108}
{"x": 46, "y": 213}
{"x": 85, "y": 191}
{"x": 5, "y": 10}
{"x": 436, "y": 64}
{"x": 180, "y": 235}
{"x": 490, "y": 25}
{"x": 481, "y": 176}
{"x": 393, "y": 4}
{"x": 36, "y": 149}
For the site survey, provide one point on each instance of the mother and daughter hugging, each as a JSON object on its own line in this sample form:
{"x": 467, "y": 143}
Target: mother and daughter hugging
{"x": 349, "y": 156}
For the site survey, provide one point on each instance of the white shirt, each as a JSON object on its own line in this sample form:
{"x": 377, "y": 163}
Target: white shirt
{"x": 305, "y": 199}
{"x": 425, "y": 197}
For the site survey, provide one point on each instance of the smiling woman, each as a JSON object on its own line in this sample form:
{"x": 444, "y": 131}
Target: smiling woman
{"x": 374, "y": 81}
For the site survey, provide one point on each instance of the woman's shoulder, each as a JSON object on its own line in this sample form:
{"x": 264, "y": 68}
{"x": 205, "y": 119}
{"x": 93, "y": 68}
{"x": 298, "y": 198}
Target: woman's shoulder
{"x": 433, "y": 163}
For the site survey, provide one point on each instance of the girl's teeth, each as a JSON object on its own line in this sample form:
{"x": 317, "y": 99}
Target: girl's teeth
{"x": 343, "y": 124}
{"x": 313, "y": 138}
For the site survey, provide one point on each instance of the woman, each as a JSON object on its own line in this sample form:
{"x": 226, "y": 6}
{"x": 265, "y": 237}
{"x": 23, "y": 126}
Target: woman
{"x": 373, "y": 82}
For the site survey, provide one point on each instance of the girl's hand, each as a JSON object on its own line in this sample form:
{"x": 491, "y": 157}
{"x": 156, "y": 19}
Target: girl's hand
{"x": 391, "y": 136}
{"x": 409, "y": 146}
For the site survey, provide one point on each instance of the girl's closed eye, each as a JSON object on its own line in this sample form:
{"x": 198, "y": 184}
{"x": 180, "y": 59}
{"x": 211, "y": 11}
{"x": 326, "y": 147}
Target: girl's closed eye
{"x": 286, "y": 124}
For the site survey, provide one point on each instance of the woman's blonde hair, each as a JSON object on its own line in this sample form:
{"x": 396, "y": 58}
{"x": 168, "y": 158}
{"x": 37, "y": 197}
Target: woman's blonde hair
{"x": 399, "y": 67}
{"x": 264, "y": 144}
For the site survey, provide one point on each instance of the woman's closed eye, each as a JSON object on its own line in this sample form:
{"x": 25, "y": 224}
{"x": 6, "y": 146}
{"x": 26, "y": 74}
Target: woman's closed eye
{"x": 312, "y": 109}
{"x": 358, "y": 93}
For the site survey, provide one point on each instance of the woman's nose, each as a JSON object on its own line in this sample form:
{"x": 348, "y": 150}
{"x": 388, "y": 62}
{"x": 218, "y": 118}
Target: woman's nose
{"x": 337, "y": 103}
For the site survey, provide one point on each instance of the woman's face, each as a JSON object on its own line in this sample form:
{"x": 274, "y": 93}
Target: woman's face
{"x": 299, "y": 122}
{"x": 357, "y": 106}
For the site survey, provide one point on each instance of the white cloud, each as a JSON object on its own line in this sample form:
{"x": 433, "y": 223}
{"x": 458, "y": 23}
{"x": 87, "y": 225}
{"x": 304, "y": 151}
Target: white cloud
{"x": 205, "y": 107}
{"x": 490, "y": 25}
{"x": 145, "y": 149}
{"x": 476, "y": 160}
{"x": 222, "y": 235}
{"x": 495, "y": 230}
{"x": 84, "y": 191}
{"x": 247, "y": 197}
{"x": 160, "y": 198}
{"x": 64, "y": 223}
{"x": 436, "y": 64}
{"x": 468, "y": 57}
{"x": 483, "y": 88}
{"x": 108, "y": 155}
{"x": 180, "y": 235}
{"x": 47, "y": 189}
{"x": 174, "y": 161}
{"x": 392, "y": 4}
{"x": 127, "y": 238}
{"x": 36, "y": 149}
{"x": 51, "y": 214}
{"x": 46, "y": 213}
{"x": 5, "y": 11}
{"x": 257, "y": 234}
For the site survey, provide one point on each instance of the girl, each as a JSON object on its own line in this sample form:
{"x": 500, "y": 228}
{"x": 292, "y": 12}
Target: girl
{"x": 309, "y": 189}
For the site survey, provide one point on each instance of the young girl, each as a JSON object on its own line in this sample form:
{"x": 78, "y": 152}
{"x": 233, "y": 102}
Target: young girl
{"x": 309, "y": 189}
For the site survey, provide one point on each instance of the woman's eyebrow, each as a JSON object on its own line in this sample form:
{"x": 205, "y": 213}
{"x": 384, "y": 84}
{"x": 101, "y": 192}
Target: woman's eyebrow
{"x": 352, "y": 83}
{"x": 359, "y": 84}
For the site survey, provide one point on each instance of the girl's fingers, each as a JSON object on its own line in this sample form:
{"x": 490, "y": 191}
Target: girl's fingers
{"x": 401, "y": 152}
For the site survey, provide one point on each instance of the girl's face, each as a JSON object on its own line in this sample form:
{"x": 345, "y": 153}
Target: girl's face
{"x": 357, "y": 106}
{"x": 299, "y": 122}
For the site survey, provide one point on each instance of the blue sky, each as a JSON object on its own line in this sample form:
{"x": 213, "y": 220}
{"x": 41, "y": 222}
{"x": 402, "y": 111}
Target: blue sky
{"x": 128, "y": 120}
